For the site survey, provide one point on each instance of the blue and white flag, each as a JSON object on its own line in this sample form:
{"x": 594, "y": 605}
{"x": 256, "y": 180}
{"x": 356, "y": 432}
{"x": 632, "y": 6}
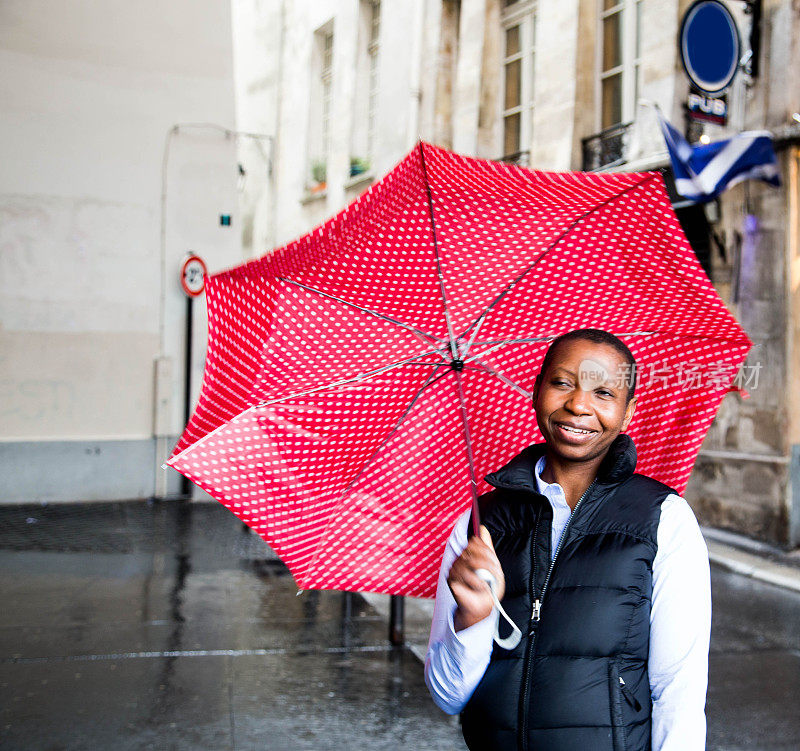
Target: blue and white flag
{"x": 702, "y": 172}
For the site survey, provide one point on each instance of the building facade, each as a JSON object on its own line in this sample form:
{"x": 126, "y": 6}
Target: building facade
{"x": 119, "y": 157}
{"x": 346, "y": 88}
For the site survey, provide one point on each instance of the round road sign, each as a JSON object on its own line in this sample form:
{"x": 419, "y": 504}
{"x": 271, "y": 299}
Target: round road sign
{"x": 193, "y": 275}
{"x": 710, "y": 46}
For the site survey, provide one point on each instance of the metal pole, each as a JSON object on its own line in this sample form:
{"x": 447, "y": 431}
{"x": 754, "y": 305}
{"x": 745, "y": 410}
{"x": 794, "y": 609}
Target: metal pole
{"x": 397, "y": 635}
{"x": 753, "y": 8}
{"x": 347, "y": 619}
{"x": 186, "y": 486}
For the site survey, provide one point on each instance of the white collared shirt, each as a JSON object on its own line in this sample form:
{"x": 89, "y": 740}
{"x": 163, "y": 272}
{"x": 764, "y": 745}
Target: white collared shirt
{"x": 680, "y": 625}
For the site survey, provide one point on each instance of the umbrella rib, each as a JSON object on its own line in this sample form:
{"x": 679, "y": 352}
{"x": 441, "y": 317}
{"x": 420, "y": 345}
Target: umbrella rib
{"x": 294, "y": 395}
{"x": 473, "y": 483}
{"x": 358, "y": 377}
{"x": 521, "y": 340}
{"x": 504, "y": 379}
{"x": 478, "y": 322}
{"x": 440, "y": 275}
{"x": 499, "y": 343}
{"x": 374, "y": 313}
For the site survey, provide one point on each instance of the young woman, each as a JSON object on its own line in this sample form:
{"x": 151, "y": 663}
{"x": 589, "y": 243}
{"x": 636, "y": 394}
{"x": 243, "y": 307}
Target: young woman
{"x": 603, "y": 570}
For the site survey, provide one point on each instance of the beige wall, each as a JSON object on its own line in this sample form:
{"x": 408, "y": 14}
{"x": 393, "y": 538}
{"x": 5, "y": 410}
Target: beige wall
{"x": 89, "y": 295}
{"x": 92, "y": 386}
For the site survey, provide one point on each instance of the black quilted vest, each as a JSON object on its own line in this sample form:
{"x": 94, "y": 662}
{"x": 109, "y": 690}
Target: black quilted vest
{"x": 578, "y": 679}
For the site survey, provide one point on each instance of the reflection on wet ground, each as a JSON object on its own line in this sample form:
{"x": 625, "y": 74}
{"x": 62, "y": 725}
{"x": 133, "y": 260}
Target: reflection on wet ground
{"x": 754, "y": 666}
{"x": 137, "y": 626}
{"x": 132, "y": 626}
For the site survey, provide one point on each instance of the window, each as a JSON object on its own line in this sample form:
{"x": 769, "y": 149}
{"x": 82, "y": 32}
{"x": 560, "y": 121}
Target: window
{"x": 320, "y": 105}
{"x": 372, "y": 50}
{"x": 619, "y": 64}
{"x": 327, "y": 90}
{"x": 518, "y": 65}
{"x": 365, "y": 101}
{"x": 446, "y": 73}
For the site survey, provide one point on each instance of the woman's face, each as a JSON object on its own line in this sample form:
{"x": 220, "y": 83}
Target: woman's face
{"x": 581, "y": 402}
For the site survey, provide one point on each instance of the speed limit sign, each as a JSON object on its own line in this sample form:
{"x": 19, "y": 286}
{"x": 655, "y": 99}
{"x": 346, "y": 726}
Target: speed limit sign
{"x": 193, "y": 275}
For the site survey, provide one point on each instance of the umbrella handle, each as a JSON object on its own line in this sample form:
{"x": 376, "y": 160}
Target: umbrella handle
{"x": 510, "y": 641}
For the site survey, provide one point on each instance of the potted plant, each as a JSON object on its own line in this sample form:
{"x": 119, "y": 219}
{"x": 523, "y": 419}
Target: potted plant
{"x": 318, "y": 175}
{"x": 358, "y": 166}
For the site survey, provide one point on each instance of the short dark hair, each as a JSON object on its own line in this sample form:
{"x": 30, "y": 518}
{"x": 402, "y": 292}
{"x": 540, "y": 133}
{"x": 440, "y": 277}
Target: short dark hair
{"x": 598, "y": 336}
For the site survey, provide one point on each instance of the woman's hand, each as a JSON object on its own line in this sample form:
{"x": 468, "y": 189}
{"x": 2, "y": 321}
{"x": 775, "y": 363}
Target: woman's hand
{"x": 471, "y": 592}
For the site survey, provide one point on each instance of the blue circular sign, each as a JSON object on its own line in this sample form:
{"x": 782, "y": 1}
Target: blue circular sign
{"x": 710, "y": 45}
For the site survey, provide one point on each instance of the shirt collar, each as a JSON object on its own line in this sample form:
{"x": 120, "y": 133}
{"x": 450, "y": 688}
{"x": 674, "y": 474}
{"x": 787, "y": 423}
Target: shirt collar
{"x": 552, "y": 491}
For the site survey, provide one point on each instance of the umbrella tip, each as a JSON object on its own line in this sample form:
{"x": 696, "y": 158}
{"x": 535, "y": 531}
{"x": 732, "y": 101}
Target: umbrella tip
{"x": 299, "y": 592}
{"x": 163, "y": 466}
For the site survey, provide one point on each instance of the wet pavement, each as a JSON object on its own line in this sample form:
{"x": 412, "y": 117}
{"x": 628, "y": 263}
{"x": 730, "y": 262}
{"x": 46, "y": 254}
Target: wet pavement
{"x": 171, "y": 626}
{"x": 754, "y": 665}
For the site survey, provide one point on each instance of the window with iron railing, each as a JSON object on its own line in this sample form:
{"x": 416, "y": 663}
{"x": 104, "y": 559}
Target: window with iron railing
{"x": 606, "y": 148}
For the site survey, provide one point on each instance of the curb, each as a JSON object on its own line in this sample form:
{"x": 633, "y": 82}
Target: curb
{"x": 752, "y": 565}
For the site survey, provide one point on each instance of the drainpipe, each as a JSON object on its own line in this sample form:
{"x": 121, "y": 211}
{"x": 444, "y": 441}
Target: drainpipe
{"x": 415, "y": 73}
{"x": 276, "y": 142}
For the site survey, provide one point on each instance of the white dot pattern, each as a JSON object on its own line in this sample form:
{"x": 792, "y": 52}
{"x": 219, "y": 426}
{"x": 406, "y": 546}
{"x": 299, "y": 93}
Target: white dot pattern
{"x": 329, "y": 419}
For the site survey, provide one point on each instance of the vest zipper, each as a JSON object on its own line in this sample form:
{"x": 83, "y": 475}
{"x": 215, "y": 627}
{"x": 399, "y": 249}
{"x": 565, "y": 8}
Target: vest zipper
{"x": 537, "y": 605}
{"x": 536, "y": 614}
{"x": 630, "y": 698}
{"x": 522, "y": 740}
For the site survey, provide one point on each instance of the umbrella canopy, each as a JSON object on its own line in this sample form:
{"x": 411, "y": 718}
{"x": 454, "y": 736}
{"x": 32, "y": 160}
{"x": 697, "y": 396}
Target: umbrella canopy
{"x": 362, "y": 380}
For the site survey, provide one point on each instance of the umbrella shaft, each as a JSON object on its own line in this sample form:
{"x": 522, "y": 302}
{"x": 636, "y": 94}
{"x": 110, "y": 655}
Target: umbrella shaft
{"x": 473, "y": 485}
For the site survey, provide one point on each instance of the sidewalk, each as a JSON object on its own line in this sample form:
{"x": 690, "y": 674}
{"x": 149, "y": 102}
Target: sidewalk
{"x": 755, "y": 559}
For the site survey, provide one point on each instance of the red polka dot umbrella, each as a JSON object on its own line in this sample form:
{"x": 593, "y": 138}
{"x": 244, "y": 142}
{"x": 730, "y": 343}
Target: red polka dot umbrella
{"x": 360, "y": 377}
